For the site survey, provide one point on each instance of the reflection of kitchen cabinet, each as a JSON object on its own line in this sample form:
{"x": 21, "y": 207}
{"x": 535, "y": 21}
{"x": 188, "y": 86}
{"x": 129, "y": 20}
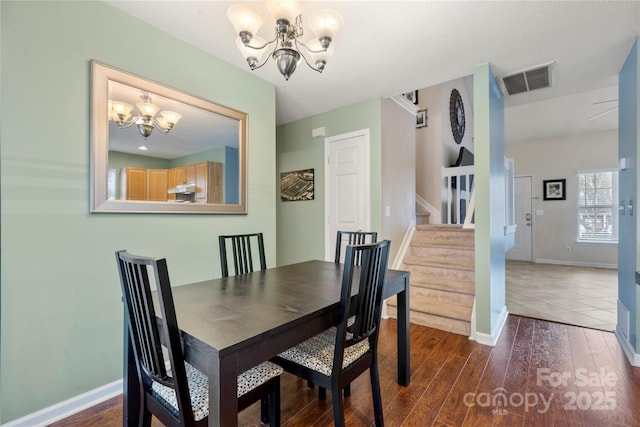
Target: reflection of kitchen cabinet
{"x": 157, "y": 184}
{"x": 136, "y": 183}
{"x": 189, "y": 174}
{"x": 162, "y": 184}
{"x": 208, "y": 182}
{"x": 173, "y": 182}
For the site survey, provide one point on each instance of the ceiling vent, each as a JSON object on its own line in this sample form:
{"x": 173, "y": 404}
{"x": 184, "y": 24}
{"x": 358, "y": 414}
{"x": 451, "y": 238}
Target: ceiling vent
{"x": 525, "y": 81}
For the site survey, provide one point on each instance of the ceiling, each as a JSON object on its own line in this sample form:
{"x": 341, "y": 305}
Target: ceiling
{"x": 389, "y": 47}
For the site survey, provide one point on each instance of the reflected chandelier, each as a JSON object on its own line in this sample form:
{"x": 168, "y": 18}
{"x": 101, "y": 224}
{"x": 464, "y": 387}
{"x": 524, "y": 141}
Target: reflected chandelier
{"x": 120, "y": 112}
{"x": 287, "y": 46}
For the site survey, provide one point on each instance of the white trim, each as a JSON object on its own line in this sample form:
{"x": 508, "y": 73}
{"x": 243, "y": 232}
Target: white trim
{"x": 404, "y": 246}
{"x": 329, "y": 241}
{"x": 64, "y": 409}
{"x": 492, "y": 339}
{"x": 405, "y": 103}
{"x": 474, "y": 335}
{"x": 632, "y": 356}
{"x": 471, "y": 207}
{"x": 435, "y": 216}
{"x": 575, "y": 263}
{"x": 397, "y": 262}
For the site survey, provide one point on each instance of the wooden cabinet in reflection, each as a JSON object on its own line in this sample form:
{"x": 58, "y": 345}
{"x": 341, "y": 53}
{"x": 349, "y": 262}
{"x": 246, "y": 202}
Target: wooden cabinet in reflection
{"x": 208, "y": 182}
{"x": 155, "y": 184}
{"x": 136, "y": 183}
{"x": 157, "y": 181}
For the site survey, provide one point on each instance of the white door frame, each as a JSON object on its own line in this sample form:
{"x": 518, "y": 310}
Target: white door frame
{"x": 330, "y": 241}
{"x": 533, "y": 219}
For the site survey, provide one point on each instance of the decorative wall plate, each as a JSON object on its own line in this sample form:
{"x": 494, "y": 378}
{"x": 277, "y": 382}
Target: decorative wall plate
{"x": 456, "y": 116}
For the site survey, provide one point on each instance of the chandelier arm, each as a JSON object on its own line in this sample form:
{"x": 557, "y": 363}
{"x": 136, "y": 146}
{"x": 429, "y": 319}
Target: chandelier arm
{"x": 127, "y": 123}
{"x": 161, "y": 128}
{"x": 266, "y": 58}
{"x": 263, "y": 46}
{"x": 308, "y": 63}
{"x": 309, "y": 49}
{"x": 305, "y": 58}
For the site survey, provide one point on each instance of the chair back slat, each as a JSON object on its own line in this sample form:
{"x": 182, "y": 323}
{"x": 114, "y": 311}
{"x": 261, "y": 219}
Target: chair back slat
{"x": 242, "y": 249}
{"x": 351, "y": 238}
{"x": 148, "y": 343}
{"x": 368, "y": 302}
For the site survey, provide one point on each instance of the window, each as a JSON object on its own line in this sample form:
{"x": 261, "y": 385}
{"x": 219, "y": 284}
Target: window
{"x": 597, "y": 203}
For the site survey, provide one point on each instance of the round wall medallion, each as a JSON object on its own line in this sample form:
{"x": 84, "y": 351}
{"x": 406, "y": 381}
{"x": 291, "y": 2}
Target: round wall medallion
{"x": 456, "y": 115}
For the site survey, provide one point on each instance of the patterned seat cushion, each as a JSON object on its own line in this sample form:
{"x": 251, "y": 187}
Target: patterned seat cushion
{"x": 199, "y": 387}
{"x": 316, "y": 353}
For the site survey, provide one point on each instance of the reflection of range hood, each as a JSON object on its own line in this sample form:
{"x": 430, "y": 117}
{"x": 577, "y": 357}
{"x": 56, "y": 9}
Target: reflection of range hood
{"x": 183, "y": 189}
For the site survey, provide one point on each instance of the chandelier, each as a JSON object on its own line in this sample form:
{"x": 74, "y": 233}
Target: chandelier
{"x": 287, "y": 48}
{"x": 120, "y": 112}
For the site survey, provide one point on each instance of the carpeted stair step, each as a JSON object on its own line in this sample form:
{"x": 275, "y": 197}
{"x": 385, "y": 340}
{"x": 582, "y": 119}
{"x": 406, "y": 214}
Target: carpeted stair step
{"x": 443, "y": 303}
{"x": 455, "y": 326}
{"x": 443, "y": 235}
{"x": 443, "y": 284}
{"x": 440, "y": 273}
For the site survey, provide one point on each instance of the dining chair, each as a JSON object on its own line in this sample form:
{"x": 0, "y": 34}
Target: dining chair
{"x": 353, "y": 238}
{"x": 340, "y": 354}
{"x": 243, "y": 251}
{"x": 170, "y": 388}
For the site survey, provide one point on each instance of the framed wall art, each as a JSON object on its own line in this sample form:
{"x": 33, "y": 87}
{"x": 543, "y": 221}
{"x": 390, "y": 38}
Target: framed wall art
{"x": 554, "y": 189}
{"x": 412, "y": 96}
{"x": 421, "y": 119}
{"x": 297, "y": 185}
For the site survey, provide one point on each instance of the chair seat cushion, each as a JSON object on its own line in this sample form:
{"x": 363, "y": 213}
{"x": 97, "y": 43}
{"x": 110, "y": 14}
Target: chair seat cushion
{"x": 199, "y": 387}
{"x": 316, "y": 353}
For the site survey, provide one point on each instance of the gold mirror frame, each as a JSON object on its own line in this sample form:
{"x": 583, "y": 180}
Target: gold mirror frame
{"x": 100, "y": 202}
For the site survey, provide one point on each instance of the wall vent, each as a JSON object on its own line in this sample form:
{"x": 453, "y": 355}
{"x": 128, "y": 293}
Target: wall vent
{"x": 534, "y": 78}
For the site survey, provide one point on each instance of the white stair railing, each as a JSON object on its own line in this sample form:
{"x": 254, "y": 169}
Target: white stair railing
{"x": 458, "y": 185}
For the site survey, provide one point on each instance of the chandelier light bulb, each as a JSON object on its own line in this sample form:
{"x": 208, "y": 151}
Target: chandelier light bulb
{"x": 147, "y": 108}
{"x": 284, "y": 9}
{"x": 170, "y": 117}
{"x": 325, "y": 23}
{"x": 244, "y": 19}
{"x": 251, "y": 55}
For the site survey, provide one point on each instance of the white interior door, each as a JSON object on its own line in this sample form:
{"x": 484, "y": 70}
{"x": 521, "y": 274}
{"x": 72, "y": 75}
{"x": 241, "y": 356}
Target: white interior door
{"x": 346, "y": 186}
{"x": 522, "y": 248}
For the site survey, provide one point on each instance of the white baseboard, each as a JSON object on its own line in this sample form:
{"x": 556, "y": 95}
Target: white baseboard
{"x": 492, "y": 339}
{"x": 69, "y": 407}
{"x": 632, "y": 356}
{"x": 435, "y": 216}
{"x": 575, "y": 263}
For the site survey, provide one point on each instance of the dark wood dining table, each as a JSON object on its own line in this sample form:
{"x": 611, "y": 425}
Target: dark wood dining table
{"x": 233, "y": 323}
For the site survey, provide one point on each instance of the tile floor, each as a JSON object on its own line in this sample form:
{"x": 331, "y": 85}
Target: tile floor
{"x": 582, "y": 296}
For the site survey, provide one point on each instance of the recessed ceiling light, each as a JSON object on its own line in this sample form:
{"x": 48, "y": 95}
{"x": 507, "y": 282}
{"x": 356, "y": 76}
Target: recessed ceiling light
{"x": 143, "y": 148}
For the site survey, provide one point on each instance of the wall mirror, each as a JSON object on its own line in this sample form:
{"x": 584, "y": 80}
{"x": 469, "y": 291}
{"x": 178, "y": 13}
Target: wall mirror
{"x": 155, "y": 149}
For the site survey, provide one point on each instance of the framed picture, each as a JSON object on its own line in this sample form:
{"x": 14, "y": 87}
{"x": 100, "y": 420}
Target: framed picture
{"x": 421, "y": 119}
{"x": 554, "y": 189}
{"x": 412, "y": 96}
{"x": 297, "y": 185}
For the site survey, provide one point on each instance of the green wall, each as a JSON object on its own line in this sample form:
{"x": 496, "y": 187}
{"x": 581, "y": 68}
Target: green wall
{"x": 61, "y": 310}
{"x": 301, "y": 224}
{"x": 488, "y": 107}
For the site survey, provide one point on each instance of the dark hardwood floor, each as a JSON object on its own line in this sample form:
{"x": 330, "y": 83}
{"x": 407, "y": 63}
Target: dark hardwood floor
{"x": 540, "y": 373}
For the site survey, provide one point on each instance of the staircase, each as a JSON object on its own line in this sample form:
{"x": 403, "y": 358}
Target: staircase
{"x": 442, "y": 266}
